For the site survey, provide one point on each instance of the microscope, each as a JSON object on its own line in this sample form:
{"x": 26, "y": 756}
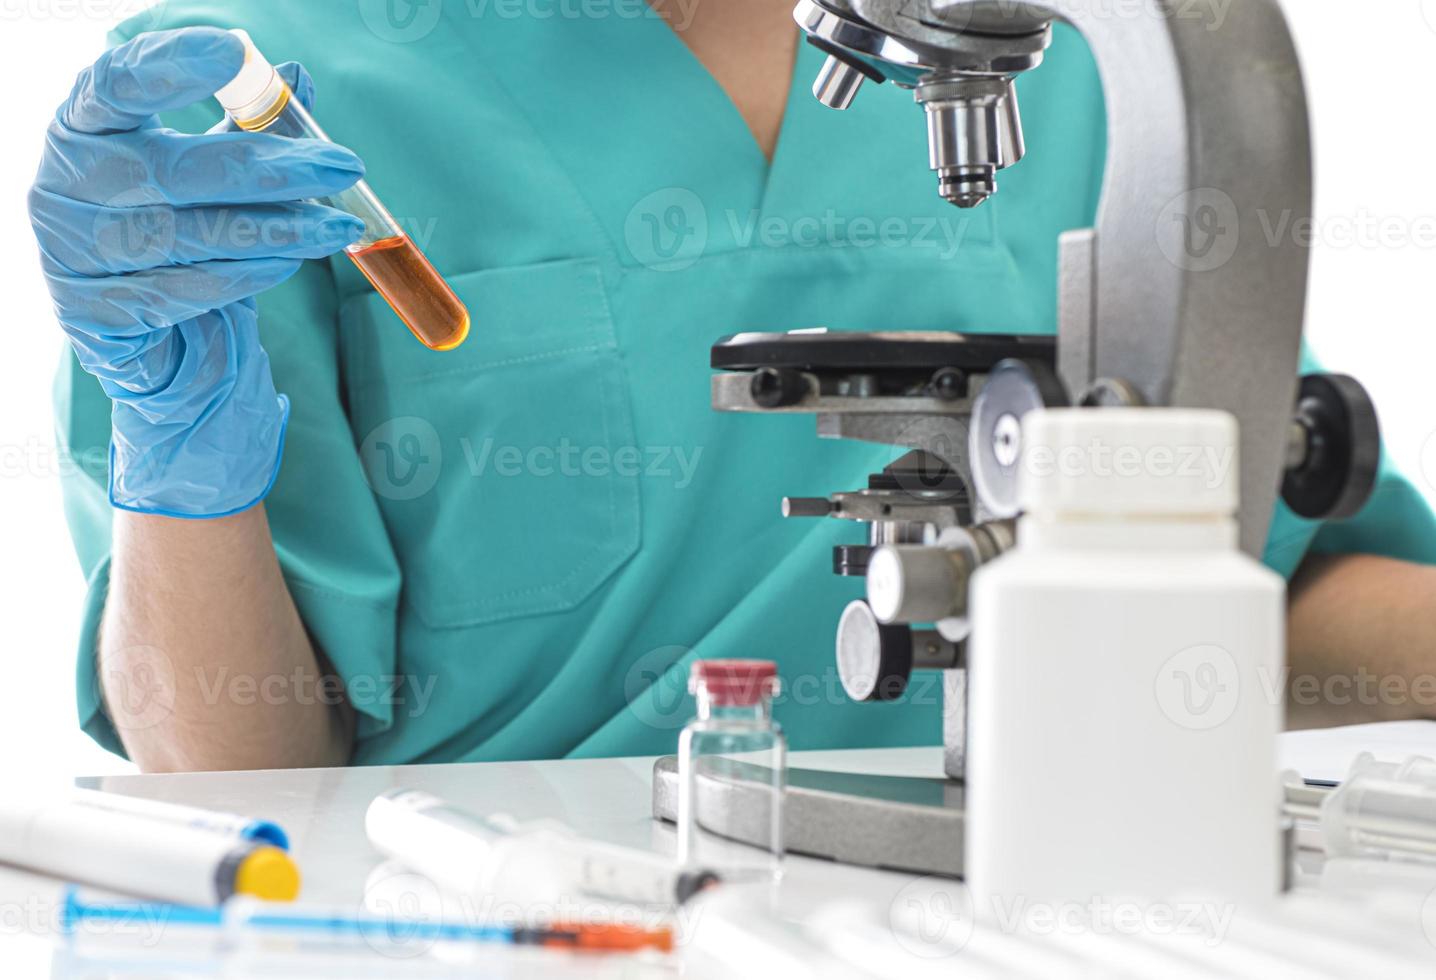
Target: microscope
{"x": 1207, "y": 130}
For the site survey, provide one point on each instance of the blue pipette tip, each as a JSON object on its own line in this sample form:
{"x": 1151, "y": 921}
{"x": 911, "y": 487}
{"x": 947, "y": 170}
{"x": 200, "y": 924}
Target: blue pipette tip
{"x": 262, "y": 831}
{"x": 70, "y": 909}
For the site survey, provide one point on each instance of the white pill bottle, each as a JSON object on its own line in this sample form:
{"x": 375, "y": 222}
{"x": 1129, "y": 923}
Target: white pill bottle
{"x": 1126, "y": 678}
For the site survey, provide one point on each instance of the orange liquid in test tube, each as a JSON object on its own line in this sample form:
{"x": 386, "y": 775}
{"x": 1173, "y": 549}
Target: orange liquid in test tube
{"x": 421, "y": 297}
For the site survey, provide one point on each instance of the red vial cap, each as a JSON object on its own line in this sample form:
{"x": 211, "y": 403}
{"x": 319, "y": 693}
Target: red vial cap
{"x": 734, "y": 683}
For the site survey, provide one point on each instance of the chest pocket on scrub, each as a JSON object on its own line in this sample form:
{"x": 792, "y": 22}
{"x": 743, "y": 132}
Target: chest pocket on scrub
{"x": 493, "y": 464}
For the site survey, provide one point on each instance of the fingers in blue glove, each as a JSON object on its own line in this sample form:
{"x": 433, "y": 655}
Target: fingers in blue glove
{"x": 208, "y": 439}
{"x": 155, "y": 243}
{"x": 165, "y": 167}
{"x": 131, "y": 305}
{"x": 149, "y": 74}
{"x": 93, "y": 240}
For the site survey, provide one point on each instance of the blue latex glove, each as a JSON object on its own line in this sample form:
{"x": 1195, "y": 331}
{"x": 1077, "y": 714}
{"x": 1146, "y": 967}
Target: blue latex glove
{"x": 154, "y": 244}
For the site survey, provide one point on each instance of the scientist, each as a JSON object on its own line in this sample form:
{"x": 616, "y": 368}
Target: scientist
{"x": 317, "y": 542}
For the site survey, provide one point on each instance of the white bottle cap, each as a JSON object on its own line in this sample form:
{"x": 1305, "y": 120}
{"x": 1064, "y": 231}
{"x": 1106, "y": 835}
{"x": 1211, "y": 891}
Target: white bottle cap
{"x": 1110, "y": 462}
{"x": 254, "y": 79}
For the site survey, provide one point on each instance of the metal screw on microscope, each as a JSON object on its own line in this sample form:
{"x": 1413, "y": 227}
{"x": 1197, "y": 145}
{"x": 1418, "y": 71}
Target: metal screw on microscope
{"x": 948, "y": 384}
{"x": 807, "y": 506}
{"x": 777, "y": 387}
{"x": 1007, "y": 440}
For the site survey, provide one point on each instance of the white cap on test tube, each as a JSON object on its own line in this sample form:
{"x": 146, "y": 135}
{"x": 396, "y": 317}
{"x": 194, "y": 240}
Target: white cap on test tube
{"x": 255, "y": 85}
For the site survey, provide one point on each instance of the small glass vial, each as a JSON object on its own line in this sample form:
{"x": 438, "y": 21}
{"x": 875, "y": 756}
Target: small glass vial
{"x": 732, "y": 767}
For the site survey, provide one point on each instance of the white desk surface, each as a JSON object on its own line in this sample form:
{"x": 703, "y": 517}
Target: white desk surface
{"x": 323, "y": 812}
{"x": 607, "y": 799}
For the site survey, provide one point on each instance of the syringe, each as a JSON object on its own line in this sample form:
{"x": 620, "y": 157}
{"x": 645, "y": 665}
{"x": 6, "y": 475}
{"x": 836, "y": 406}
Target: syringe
{"x": 239, "y": 917}
{"x": 544, "y": 862}
{"x": 1381, "y": 809}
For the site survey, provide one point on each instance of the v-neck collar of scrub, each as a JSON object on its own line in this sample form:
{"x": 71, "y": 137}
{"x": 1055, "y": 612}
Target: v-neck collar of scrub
{"x": 713, "y": 109}
{"x": 630, "y": 113}
{"x": 706, "y": 73}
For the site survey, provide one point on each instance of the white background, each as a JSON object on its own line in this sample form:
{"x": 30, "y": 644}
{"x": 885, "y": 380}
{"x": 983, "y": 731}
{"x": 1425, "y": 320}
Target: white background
{"x": 1370, "y": 77}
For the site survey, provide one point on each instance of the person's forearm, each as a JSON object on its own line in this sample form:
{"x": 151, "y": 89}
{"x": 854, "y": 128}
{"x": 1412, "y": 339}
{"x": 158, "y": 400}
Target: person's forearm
{"x": 203, "y": 661}
{"x": 1361, "y": 642}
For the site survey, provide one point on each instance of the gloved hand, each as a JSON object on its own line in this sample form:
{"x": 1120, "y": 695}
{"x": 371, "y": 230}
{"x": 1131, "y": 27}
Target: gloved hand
{"x": 154, "y": 244}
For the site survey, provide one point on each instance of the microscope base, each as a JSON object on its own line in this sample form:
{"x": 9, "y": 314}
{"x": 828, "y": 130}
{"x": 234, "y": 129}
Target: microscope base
{"x": 902, "y": 823}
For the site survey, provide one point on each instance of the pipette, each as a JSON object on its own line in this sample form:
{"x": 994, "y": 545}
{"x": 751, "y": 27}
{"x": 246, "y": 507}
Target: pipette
{"x": 128, "y": 849}
{"x": 232, "y": 824}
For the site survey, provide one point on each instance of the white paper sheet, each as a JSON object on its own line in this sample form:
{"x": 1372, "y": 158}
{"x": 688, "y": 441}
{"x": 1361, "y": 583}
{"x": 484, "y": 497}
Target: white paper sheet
{"x": 1325, "y": 755}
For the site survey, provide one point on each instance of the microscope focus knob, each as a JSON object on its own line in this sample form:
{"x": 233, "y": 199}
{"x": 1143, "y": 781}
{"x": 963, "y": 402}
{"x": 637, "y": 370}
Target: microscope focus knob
{"x": 1335, "y": 450}
{"x": 1012, "y": 389}
{"x": 874, "y": 660}
{"x": 917, "y": 584}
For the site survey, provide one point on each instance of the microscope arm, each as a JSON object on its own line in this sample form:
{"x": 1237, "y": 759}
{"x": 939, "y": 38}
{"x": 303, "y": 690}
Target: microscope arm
{"x": 1180, "y": 289}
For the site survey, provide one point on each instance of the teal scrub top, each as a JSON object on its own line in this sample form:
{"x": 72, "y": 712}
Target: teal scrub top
{"x": 515, "y": 550}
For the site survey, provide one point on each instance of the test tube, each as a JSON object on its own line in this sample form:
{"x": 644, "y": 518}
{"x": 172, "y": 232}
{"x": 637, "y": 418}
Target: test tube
{"x": 259, "y": 101}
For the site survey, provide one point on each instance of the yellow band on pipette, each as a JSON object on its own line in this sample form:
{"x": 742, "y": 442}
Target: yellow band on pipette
{"x": 269, "y": 874}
